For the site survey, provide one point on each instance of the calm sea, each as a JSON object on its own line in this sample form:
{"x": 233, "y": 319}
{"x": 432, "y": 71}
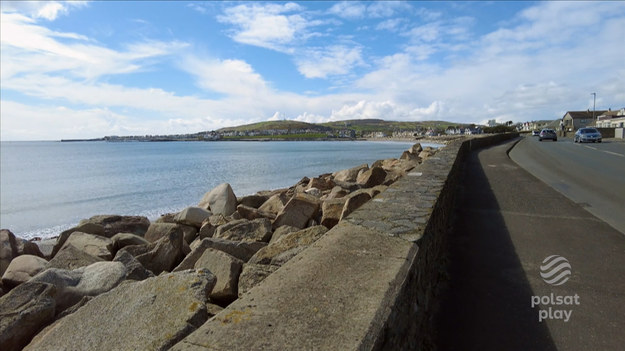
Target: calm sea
{"x": 47, "y": 187}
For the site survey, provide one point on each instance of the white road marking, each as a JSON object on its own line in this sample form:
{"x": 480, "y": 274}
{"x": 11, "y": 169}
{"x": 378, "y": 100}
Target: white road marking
{"x": 614, "y": 153}
{"x": 590, "y": 147}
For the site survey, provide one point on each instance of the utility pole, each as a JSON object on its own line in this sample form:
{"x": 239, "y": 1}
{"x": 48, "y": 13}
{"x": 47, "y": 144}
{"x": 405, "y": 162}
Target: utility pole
{"x": 594, "y": 99}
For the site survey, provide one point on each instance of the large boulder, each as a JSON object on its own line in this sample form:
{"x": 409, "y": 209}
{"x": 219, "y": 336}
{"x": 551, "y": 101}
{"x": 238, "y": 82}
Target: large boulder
{"x": 254, "y": 201}
{"x": 72, "y": 286}
{"x": 153, "y": 314}
{"x": 282, "y": 231}
{"x": 251, "y": 213}
{"x": 83, "y": 227}
{"x": 134, "y": 269}
{"x": 8, "y": 249}
{"x": 252, "y": 274}
{"x": 163, "y": 255}
{"x": 323, "y": 182}
{"x": 114, "y": 224}
{"x": 245, "y": 230}
{"x": 336, "y": 193}
{"x": 156, "y": 231}
{"x": 293, "y": 242}
{"x": 21, "y": 269}
{"x": 121, "y": 240}
{"x": 415, "y": 149}
{"x": 46, "y": 246}
{"x": 274, "y": 204}
{"x": 242, "y": 250}
{"x": 354, "y": 201}
{"x": 220, "y": 200}
{"x": 332, "y": 210}
{"x": 349, "y": 175}
{"x": 23, "y": 312}
{"x": 27, "y": 247}
{"x": 372, "y": 177}
{"x": 226, "y": 268}
{"x": 193, "y": 216}
{"x": 94, "y": 245}
{"x": 71, "y": 258}
{"x": 298, "y": 211}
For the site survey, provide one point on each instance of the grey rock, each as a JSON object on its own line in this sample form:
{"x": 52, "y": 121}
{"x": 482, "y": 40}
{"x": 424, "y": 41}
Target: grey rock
{"x": 94, "y": 245}
{"x": 242, "y": 250}
{"x": 163, "y": 255}
{"x": 252, "y": 213}
{"x": 8, "y": 249}
{"x": 114, "y": 224}
{"x": 121, "y": 240}
{"x": 46, "y": 246}
{"x": 26, "y": 247}
{"x": 71, "y": 258}
{"x": 323, "y": 182}
{"x": 252, "y": 274}
{"x": 274, "y": 204}
{"x": 23, "y": 312}
{"x": 71, "y": 286}
{"x": 245, "y": 230}
{"x": 281, "y": 231}
{"x": 134, "y": 269}
{"x": 301, "y": 239}
{"x": 349, "y": 175}
{"x": 86, "y": 227}
{"x": 254, "y": 201}
{"x": 372, "y": 177}
{"x": 189, "y": 233}
{"x": 193, "y": 216}
{"x": 336, "y": 193}
{"x": 226, "y": 268}
{"x": 21, "y": 269}
{"x": 298, "y": 211}
{"x": 153, "y": 314}
{"x": 156, "y": 231}
{"x": 332, "y": 210}
{"x": 354, "y": 201}
{"x": 220, "y": 200}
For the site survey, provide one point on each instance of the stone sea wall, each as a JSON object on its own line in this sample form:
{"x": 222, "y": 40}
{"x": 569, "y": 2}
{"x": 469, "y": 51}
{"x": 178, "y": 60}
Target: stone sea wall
{"x": 103, "y": 281}
{"x": 348, "y": 260}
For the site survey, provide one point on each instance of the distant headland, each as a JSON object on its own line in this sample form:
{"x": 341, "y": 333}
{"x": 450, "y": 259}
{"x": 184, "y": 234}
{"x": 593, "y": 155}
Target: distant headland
{"x": 358, "y": 129}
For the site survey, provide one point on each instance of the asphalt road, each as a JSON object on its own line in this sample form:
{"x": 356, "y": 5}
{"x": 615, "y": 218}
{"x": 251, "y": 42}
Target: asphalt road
{"x": 506, "y": 223}
{"x": 590, "y": 174}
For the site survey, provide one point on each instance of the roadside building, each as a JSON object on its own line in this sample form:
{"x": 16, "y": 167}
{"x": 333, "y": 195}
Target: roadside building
{"x": 612, "y": 119}
{"x": 573, "y": 120}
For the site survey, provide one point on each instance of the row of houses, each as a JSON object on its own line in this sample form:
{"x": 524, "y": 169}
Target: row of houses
{"x": 573, "y": 120}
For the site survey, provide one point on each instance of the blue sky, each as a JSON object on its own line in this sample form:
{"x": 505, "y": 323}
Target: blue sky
{"x": 88, "y": 69}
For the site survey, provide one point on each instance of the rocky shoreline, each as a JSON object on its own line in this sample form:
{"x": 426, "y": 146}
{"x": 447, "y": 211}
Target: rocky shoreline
{"x": 123, "y": 282}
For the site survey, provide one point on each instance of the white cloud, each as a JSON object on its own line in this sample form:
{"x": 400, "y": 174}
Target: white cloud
{"x": 348, "y": 10}
{"x": 232, "y": 77}
{"x": 357, "y": 10}
{"x": 267, "y": 25}
{"x": 49, "y": 10}
{"x": 29, "y": 48}
{"x": 333, "y": 60}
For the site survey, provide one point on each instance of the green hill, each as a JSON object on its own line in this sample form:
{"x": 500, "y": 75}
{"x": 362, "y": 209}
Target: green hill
{"x": 276, "y": 125}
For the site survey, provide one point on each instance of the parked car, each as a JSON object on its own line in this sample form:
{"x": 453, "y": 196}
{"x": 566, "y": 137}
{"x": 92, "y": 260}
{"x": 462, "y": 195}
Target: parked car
{"x": 587, "y": 134}
{"x": 535, "y": 132}
{"x": 548, "y": 134}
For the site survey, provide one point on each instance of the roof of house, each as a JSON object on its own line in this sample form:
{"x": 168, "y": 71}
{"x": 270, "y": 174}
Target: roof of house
{"x": 583, "y": 114}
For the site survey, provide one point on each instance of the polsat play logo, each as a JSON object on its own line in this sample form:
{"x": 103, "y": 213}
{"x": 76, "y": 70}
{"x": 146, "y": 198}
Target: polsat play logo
{"x": 555, "y": 270}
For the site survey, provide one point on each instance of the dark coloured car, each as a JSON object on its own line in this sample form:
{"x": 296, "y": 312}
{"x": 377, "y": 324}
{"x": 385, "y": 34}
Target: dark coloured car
{"x": 548, "y": 134}
{"x": 535, "y": 132}
{"x": 584, "y": 135}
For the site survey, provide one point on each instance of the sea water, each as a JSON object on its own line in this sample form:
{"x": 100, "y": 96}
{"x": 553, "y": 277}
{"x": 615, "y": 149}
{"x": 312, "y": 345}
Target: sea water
{"x": 47, "y": 187}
